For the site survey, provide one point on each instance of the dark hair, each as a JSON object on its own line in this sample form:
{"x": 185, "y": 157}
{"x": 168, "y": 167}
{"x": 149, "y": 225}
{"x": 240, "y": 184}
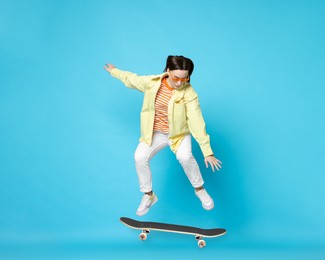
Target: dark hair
{"x": 179, "y": 63}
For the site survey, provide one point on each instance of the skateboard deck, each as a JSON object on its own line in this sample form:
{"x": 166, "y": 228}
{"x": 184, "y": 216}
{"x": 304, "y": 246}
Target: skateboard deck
{"x": 199, "y": 233}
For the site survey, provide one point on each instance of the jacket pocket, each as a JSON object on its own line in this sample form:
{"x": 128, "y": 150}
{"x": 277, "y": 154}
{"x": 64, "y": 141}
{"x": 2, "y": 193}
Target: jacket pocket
{"x": 179, "y": 118}
{"x": 146, "y": 122}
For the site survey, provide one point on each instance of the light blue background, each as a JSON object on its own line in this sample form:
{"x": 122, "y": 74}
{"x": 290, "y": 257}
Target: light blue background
{"x": 68, "y": 130}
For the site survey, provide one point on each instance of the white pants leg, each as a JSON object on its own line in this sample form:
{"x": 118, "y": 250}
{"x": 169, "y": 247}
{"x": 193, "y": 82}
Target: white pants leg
{"x": 144, "y": 153}
{"x": 142, "y": 157}
{"x": 185, "y": 157}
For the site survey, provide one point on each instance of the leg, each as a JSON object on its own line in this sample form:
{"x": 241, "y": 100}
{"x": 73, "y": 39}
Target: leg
{"x": 143, "y": 155}
{"x": 185, "y": 157}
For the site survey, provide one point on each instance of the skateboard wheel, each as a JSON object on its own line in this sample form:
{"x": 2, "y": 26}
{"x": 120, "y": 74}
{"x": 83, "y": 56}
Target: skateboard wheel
{"x": 143, "y": 236}
{"x": 201, "y": 243}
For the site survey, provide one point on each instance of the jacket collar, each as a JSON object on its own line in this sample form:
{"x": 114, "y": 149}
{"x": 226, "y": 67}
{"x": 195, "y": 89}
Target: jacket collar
{"x": 159, "y": 77}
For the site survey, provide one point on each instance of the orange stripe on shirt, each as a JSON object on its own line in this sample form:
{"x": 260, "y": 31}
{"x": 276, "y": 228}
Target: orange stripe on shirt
{"x": 163, "y": 97}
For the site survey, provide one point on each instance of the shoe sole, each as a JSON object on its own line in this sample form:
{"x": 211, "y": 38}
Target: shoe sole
{"x": 208, "y": 208}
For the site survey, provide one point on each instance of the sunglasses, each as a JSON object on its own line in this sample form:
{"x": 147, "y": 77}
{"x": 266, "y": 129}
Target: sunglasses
{"x": 176, "y": 79}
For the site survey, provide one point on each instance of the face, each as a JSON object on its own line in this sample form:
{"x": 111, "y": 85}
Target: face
{"x": 177, "y": 78}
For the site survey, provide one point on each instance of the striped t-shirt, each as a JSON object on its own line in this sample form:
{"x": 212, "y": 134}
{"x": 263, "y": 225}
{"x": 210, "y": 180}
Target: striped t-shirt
{"x": 163, "y": 96}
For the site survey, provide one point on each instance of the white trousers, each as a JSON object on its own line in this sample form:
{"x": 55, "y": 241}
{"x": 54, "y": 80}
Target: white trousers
{"x": 144, "y": 153}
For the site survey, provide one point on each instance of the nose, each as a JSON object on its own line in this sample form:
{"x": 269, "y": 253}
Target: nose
{"x": 178, "y": 83}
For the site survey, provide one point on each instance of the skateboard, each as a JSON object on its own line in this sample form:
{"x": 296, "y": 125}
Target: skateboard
{"x": 199, "y": 233}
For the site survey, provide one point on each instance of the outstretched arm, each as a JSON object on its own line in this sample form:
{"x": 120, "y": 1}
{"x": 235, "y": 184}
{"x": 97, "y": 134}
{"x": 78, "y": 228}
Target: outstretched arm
{"x": 130, "y": 79}
{"x": 197, "y": 127}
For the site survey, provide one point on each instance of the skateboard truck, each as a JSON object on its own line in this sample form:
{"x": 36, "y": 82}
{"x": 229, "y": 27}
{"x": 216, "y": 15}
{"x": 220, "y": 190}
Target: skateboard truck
{"x": 200, "y": 242}
{"x": 144, "y": 234}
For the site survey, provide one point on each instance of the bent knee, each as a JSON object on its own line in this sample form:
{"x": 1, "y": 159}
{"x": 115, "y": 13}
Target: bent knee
{"x": 185, "y": 157}
{"x": 140, "y": 157}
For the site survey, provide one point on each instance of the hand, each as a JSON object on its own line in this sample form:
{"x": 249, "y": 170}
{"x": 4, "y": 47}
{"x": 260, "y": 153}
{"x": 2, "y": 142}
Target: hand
{"x": 109, "y": 67}
{"x": 213, "y": 161}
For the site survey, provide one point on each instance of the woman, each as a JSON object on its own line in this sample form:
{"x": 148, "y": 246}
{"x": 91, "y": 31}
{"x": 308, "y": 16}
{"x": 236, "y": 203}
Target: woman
{"x": 170, "y": 114}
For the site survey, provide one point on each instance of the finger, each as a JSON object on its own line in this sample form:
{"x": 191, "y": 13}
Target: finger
{"x": 215, "y": 164}
{"x": 218, "y": 165}
{"x": 212, "y": 166}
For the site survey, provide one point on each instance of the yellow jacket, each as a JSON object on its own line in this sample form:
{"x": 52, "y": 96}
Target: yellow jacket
{"x": 184, "y": 113}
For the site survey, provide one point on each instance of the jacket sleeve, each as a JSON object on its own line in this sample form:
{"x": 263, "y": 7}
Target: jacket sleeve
{"x": 132, "y": 80}
{"x": 196, "y": 125}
